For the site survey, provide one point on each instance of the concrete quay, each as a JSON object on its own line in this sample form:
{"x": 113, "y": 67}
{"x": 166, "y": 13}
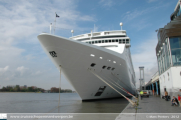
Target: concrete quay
{"x": 151, "y": 108}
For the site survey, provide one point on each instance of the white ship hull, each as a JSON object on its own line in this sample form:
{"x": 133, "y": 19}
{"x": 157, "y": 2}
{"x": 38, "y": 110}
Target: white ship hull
{"x": 74, "y": 59}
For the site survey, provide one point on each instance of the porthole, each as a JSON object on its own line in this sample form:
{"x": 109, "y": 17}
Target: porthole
{"x": 103, "y": 67}
{"x": 109, "y": 40}
{"x": 108, "y": 68}
{"x": 93, "y": 64}
{"x": 99, "y": 41}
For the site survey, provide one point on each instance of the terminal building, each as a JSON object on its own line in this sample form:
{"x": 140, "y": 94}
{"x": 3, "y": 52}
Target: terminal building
{"x": 168, "y": 52}
{"x": 154, "y": 84}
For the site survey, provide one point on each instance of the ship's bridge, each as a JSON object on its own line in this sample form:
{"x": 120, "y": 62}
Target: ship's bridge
{"x": 105, "y": 38}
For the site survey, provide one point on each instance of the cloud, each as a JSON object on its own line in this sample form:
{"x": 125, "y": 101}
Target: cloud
{"x": 37, "y": 73}
{"x": 149, "y": 1}
{"x": 4, "y": 69}
{"x": 144, "y": 55}
{"x": 137, "y": 13}
{"x": 106, "y": 3}
{"x": 22, "y": 70}
{"x": 21, "y": 22}
{"x": 4, "y": 73}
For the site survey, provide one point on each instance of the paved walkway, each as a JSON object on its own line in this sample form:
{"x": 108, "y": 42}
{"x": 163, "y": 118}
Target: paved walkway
{"x": 156, "y": 105}
{"x": 151, "y": 107}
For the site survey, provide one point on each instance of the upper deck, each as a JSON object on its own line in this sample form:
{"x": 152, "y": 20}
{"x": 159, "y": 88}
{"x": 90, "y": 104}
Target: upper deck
{"x": 105, "y": 38}
{"x": 103, "y": 34}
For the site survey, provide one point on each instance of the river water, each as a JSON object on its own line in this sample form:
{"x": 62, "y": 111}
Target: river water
{"x": 48, "y": 102}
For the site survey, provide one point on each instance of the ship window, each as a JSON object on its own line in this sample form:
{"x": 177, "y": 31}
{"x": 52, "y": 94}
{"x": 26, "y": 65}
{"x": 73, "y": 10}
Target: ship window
{"x": 108, "y": 68}
{"x": 106, "y": 41}
{"x": 102, "y": 41}
{"x": 120, "y": 41}
{"x": 113, "y": 68}
{"x": 109, "y": 40}
{"x": 92, "y": 42}
{"x": 116, "y": 40}
{"x": 99, "y": 41}
{"x": 127, "y": 40}
{"x": 108, "y": 60}
{"x": 93, "y": 64}
{"x": 92, "y": 55}
{"x": 123, "y": 40}
{"x": 89, "y": 42}
{"x": 95, "y": 41}
{"x": 113, "y": 40}
{"x": 103, "y": 67}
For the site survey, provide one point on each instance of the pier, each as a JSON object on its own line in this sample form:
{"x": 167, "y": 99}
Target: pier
{"x": 150, "y": 107}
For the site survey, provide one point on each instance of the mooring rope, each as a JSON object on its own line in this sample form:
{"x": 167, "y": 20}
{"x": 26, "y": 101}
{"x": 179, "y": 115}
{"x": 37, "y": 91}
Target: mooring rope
{"x": 120, "y": 80}
{"x": 121, "y": 88}
{"x": 59, "y": 87}
{"x": 132, "y": 102}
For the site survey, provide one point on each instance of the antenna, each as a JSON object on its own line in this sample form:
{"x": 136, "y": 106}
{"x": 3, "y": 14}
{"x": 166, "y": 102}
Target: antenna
{"x": 121, "y": 24}
{"x": 50, "y": 28}
{"x": 94, "y": 28}
{"x": 72, "y": 31}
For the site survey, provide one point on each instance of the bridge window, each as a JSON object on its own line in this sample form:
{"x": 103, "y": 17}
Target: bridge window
{"x": 127, "y": 40}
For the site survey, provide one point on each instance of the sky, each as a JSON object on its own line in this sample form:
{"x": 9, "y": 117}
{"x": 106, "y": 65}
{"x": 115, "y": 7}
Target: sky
{"x": 23, "y": 61}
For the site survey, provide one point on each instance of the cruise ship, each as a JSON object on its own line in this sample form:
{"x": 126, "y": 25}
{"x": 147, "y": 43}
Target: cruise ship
{"x": 87, "y": 59}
